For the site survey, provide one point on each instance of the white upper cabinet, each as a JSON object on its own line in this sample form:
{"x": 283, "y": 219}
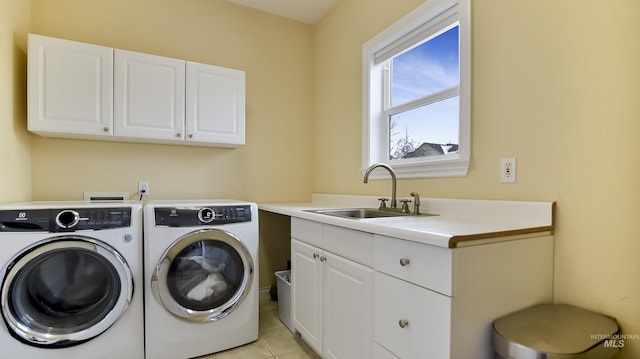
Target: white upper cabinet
{"x": 81, "y": 90}
{"x": 150, "y": 95}
{"x": 215, "y": 104}
{"x": 70, "y": 87}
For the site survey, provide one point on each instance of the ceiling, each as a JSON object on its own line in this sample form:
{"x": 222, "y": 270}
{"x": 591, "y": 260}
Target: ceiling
{"x": 309, "y": 11}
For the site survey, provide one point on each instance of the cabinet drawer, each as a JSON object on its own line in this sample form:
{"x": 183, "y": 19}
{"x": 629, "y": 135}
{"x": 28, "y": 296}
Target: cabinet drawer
{"x": 412, "y": 322}
{"x": 422, "y": 264}
{"x": 307, "y": 231}
{"x": 355, "y": 245}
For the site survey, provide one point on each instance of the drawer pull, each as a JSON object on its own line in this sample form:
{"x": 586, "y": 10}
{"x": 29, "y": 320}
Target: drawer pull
{"x": 404, "y": 262}
{"x": 403, "y": 323}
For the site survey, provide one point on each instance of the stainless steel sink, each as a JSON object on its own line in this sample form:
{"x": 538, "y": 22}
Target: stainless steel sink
{"x": 359, "y": 213}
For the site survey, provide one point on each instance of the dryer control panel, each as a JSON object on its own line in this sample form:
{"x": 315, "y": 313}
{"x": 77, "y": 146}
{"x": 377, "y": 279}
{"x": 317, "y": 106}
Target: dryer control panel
{"x": 198, "y": 216}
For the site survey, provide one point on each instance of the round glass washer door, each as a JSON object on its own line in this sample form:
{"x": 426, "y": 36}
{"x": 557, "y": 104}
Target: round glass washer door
{"x": 203, "y": 275}
{"x": 64, "y": 291}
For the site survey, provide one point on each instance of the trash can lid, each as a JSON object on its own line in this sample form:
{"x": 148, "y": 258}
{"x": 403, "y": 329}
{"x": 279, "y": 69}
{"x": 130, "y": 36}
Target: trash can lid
{"x": 556, "y": 328}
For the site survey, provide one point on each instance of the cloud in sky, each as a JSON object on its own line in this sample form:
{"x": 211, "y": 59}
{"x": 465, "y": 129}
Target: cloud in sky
{"x": 430, "y": 67}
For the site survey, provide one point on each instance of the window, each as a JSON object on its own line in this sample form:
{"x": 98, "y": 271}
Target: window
{"x": 416, "y": 100}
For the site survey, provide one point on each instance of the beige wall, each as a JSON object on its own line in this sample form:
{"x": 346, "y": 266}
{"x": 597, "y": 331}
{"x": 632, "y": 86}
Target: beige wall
{"x": 15, "y": 152}
{"x": 555, "y": 84}
{"x": 277, "y": 57}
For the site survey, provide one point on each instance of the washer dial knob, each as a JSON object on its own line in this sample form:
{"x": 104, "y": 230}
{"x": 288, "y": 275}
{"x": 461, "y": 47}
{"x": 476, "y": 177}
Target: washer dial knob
{"x": 67, "y": 218}
{"x": 206, "y": 215}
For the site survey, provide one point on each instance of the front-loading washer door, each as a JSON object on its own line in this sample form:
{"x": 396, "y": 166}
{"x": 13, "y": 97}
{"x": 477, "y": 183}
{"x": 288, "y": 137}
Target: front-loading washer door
{"x": 203, "y": 275}
{"x": 64, "y": 291}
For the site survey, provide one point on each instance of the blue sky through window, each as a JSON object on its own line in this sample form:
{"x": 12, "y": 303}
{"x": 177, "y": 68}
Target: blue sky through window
{"x": 428, "y": 68}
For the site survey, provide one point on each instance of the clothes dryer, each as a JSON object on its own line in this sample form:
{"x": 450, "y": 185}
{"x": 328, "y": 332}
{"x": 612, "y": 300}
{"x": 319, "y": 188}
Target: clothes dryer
{"x": 201, "y": 277}
{"x": 71, "y": 275}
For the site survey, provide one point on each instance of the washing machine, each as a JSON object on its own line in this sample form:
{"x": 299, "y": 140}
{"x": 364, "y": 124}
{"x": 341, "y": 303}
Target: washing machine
{"x": 201, "y": 277}
{"x": 71, "y": 275}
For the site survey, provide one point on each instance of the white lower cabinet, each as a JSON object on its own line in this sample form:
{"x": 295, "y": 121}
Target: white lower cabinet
{"x": 306, "y": 292}
{"x": 332, "y": 298}
{"x": 411, "y": 321}
{"x": 360, "y": 295}
{"x": 347, "y": 320}
{"x": 436, "y": 302}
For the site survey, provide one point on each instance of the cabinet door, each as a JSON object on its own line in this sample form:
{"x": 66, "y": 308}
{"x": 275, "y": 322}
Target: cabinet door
{"x": 149, "y": 96}
{"x": 215, "y": 104}
{"x": 70, "y": 88}
{"x": 306, "y": 287}
{"x": 348, "y": 309}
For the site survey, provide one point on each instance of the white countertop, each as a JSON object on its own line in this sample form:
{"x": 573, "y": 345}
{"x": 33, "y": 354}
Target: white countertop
{"x": 457, "y": 223}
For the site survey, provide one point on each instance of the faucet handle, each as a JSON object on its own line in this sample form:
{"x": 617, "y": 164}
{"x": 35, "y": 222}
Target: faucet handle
{"x": 405, "y": 205}
{"x": 416, "y": 204}
{"x": 383, "y": 202}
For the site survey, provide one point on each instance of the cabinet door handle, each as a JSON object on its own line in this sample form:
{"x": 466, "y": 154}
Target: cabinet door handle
{"x": 315, "y": 255}
{"x": 323, "y": 259}
{"x": 403, "y": 323}
{"x": 105, "y": 129}
{"x": 404, "y": 262}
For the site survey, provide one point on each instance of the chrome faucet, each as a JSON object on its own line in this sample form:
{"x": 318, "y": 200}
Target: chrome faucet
{"x": 393, "y": 180}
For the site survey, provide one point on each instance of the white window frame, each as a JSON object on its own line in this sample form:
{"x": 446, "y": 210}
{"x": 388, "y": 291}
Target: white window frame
{"x": 375, "y": 138}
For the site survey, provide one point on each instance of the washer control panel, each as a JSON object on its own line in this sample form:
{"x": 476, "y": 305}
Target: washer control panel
{"x": 198, "y": 216}
{"x": 77, "y": 219}
{"x": 64, "y": 220}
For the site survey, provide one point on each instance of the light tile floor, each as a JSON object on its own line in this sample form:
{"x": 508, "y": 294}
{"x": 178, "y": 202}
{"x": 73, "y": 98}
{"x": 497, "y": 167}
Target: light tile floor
{"x": 275, "y": 341}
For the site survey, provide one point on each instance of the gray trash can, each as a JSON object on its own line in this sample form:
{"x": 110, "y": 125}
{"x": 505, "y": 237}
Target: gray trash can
{"x": 554, "y": 331}
{"x": 283, "y": 279}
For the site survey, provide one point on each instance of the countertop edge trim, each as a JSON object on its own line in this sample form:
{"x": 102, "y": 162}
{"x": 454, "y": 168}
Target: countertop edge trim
{"x": 454, "y": 240}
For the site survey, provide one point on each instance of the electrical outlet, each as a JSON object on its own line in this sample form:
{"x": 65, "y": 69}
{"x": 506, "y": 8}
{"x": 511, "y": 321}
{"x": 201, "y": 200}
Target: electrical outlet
{"x": 508, "y": 170}
{"x": 143, "y": 188}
